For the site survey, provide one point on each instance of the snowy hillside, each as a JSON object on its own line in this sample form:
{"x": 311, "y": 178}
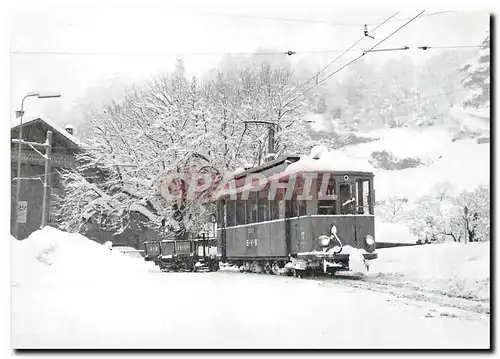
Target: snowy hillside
{"x": 464, "y": 164}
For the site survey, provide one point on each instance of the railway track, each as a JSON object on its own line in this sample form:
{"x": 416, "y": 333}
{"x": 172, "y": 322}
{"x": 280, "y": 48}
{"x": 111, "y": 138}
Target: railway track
{"x": 441, "y": 303}
{"x": 437, "y": 303}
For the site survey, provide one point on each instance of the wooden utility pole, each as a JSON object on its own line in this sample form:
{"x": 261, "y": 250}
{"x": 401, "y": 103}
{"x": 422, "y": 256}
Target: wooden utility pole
{"x": 46, "y": 186}
{"x": 271, "y": 138}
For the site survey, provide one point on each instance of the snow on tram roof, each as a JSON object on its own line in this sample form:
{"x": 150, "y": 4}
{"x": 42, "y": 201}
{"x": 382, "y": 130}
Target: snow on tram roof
{"x": 323, "y": 160}
{"x": 320, "y": 160}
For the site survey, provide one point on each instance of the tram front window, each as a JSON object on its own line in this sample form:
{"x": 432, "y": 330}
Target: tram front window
{"x": 347, "y": 199}
{"x": 363, "y": 205}
{"x": 328, "y": 205}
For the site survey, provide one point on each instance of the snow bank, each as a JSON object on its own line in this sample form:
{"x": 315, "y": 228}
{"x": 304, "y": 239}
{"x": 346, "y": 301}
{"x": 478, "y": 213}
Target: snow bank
{"x": 471, "y": 118}
{"x": 52, "y": 256}
{"x": 454, "y": 268}
{"x": 357, "y": 262}
{"x": 321, "y": 159}
{"x": 226, "y": 267}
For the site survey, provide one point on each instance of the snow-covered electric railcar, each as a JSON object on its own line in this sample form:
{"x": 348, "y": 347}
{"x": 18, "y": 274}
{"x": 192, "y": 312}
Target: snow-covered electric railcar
{"x": 297, "y": 222}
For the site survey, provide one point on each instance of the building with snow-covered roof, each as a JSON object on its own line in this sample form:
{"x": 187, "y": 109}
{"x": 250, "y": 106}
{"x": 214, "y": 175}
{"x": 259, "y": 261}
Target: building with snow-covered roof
{"x": 65, "y": 148}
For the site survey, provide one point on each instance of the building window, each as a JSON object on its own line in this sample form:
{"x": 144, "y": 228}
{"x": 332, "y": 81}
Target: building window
{"x": 55, "y": 181}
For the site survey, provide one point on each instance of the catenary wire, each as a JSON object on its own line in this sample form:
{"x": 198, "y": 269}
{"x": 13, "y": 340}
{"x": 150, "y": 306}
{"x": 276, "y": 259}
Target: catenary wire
{"x": 343, "y": 53}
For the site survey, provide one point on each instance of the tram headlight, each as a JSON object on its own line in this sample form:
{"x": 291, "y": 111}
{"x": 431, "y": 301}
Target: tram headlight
{"x": 324, "y": 241}
{"x": 370, "y": 240}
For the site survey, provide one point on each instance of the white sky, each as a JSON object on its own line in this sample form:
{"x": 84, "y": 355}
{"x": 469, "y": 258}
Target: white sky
{"x": 142, "y": 33}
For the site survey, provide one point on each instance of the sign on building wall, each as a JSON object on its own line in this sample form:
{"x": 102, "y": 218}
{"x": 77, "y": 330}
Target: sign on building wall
{"x": 22, "y": 211}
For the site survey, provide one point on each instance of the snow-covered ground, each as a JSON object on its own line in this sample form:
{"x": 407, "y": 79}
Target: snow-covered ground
{"x": 457, "y": 269}
{"x": 393, "y": 232}
{"x": 68, "y": 291}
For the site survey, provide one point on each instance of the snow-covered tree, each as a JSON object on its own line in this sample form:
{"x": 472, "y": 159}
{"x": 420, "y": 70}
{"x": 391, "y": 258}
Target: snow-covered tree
{"x": 177, "y": 128}
{"x": 392, "y": 210}
{"x": 429, "y": 217}
{"x": 470, "y": 217}
{"x": 462, "y": 217}
{"x": 477, "y": 78}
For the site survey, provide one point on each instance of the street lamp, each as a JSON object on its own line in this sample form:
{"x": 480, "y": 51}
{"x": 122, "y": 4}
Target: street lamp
{"x": 21, "y": 114}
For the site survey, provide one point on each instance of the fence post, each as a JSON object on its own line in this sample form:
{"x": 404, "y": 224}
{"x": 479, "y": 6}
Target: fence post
{"x": 203, "y": 235}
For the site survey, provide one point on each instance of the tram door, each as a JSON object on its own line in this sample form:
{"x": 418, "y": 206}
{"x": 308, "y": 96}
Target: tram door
{"x": 221, "y": 219}
{"x": 286, "y": 209}
{"x": 347, "y": 202}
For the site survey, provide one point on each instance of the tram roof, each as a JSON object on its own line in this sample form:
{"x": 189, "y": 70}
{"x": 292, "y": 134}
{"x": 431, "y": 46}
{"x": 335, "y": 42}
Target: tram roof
{"x": 267, "y": 165}
{"x": 281, "y": 176}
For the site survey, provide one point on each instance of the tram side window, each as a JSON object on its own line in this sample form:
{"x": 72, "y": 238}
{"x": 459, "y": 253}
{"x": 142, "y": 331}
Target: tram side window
{"x": 220, "y": 213}
{"x": 230, "y": 215}
{"x": 274, "y": 210}
{"x": 327, "y": 207}
{"x": 293, "y": 208}
{"x": 240, "y": 213}
{"x": 302, "y": 208}
{"x": 282, "y": 209}
{"x": 251, "y": 208}
{"x": 328, "y": 204}
{"x": 263, "y": 210}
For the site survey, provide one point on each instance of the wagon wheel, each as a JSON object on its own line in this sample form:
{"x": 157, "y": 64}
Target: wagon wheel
{"x": 275, "y": 269}
{"x": 267, "y": 268}
{"x": 297, "y": 273}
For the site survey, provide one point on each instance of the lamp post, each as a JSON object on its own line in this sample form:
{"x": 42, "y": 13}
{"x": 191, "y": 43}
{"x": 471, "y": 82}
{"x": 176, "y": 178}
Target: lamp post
{"x": 21, "y": 114}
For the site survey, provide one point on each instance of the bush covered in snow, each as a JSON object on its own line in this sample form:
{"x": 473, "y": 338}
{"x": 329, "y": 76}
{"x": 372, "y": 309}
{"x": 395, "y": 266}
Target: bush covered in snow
{"x": 387, "y": 161}
{"x": 466, "y": 133}
{"x": 339, "y": 140}
{"x": 392, "y": 209}
{"x": 444, "y": 215}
